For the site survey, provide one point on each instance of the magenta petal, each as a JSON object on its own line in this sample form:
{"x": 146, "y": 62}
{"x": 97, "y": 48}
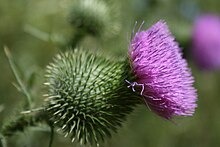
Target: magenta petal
{"x": 157, "y": 63}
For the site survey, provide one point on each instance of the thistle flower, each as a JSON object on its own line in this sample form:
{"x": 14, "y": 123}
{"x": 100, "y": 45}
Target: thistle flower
{"x": 87, "y": 97}
{"x": 162, "y": 76}
{"x": 206, "y": 42}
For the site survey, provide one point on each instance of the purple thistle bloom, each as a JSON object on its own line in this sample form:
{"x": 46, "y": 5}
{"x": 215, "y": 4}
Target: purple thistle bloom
{"x": 206, "y": 42}
{"x": 162, "y": 75}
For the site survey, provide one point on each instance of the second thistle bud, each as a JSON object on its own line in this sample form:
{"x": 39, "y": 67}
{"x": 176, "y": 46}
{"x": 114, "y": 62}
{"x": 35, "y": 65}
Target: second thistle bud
{"x": 88, "y": 97}
{"x": 94, "y": 17}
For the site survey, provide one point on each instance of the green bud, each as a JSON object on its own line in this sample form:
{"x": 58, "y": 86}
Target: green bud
{"x": 94, "y": 17}
{"x": 88, "y": 97}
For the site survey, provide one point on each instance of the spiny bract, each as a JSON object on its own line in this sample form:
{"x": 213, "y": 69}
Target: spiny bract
{"x": 88, "y": 97}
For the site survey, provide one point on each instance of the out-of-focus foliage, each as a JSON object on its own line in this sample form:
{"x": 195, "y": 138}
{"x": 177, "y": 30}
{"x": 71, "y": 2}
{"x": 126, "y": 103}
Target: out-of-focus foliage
{"x": 23, "y": 25}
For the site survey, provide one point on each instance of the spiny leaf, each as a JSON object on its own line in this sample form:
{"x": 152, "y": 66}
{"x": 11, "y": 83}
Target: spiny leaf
{"x": 20, "y": 122}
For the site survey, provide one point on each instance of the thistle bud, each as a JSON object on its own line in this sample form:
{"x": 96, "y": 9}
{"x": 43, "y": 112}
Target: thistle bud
{"x": 94, "y": 17}
{"x": 88, "y": 97}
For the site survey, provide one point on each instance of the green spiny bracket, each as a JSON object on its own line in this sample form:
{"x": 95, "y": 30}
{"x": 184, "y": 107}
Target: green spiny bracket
{"x": 87, "y": 97}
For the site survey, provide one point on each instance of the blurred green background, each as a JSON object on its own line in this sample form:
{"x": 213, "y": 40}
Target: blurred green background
{"x": 142, "y": 128}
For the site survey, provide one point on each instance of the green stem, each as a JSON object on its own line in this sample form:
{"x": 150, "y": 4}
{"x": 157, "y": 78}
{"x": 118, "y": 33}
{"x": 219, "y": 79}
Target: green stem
{"x": 2, "y": 141}
{"x": 44, "y": 36}
{"x": 51, "y": 136}
{"x": 77, "y": 37}
{"x": 15, "y": 72}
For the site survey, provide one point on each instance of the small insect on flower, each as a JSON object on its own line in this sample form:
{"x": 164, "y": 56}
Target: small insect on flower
{"x": 162, "y": 76}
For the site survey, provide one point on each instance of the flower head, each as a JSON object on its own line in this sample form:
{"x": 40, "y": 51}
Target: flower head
{"x": 206, "y": 41}
{"x": 162, "y": 75}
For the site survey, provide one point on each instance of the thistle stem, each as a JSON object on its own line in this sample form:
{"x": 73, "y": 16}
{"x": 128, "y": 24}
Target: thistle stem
{"x": 44, "y": 36}
{"x": 2, "y": 141}
{"x": 77, "y": 37}
{"x": 51, "y": 136}
{"x": 15, "y": 72}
